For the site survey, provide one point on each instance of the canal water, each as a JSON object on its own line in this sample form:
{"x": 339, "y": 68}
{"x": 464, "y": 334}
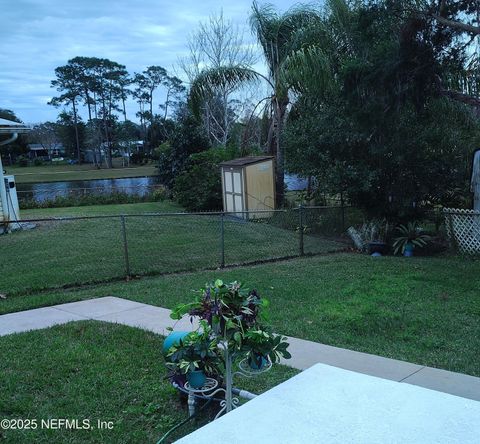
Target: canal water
{"x": 140, "y": 186}
{"x": 41, "y": 192}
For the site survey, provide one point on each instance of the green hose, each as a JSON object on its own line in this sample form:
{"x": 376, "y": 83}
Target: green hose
{"x": 164, "y": 437}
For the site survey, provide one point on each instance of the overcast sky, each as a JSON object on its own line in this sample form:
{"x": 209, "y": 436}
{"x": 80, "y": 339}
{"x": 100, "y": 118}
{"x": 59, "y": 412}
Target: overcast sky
{"x": 36, "y": 36}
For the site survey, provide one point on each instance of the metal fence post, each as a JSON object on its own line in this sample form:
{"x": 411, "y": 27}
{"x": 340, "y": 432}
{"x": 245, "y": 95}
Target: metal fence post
{"x": 125, "y": 246}
{"x": 222, "y": 240}
{"x": 300, "y": 212}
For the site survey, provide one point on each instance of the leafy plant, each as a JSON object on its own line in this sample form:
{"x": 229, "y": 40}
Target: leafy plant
{"x": 227, "y": 308}
{"x": 197, "y": 351}
{"x": 232, "y": 314}
{"x": 22, "y": 161}
{"x": 409, "y": 234}
{"x": 262, "y": 343}
{"x": 199, "y": 187}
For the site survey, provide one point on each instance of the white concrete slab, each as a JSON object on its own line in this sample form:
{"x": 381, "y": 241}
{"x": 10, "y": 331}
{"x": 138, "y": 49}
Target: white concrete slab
{"x": 35, "y": 319}
{"x": 307, "y": 353}
{"x": 94, "y": 308}
{"x": 155, "y": 319}
{"x": 330, "y": 405}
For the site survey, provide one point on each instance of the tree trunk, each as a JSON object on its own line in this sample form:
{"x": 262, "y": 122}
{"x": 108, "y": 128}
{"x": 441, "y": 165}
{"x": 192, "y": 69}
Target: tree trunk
{"x": 225, "y": 119}
{"x": 124, "y": 110}
{"x": 108, "y": 156}
{"x": 89, "y": 106}
{"x": 166, "y": 104}
{"x": 75, "y": 121}
{"x": 280, "y": 111}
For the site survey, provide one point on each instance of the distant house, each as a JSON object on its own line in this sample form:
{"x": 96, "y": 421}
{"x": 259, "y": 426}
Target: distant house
{"x": 37, "y": 150}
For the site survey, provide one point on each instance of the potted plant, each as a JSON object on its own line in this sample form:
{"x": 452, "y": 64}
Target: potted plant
{"x": 195, "y": 356}
{"x": 411, "y": 237}
{"x": 262, "y": 346}
{"x": 234, "y": 315}
{"x": 374, "y": 234}
{"x": 226, "y": 308}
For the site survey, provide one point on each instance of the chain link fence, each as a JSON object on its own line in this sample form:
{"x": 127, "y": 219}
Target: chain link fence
{"x": 81, "y": 250}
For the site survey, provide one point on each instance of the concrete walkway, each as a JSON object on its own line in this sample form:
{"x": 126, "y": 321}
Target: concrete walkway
{"x": 304, "y": 353}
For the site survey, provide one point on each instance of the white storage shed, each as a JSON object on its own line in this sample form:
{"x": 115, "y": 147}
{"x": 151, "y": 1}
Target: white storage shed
{"x": 248, "y": 184}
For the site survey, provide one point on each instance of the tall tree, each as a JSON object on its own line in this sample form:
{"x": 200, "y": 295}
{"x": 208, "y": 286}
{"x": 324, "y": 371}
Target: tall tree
{"x": 174, "y": 91}
{"x": 384, "y": 132}
{"x": 69, "y": 85}
{"x": 108, "y": 77}
{"x": 70, "y": 130}
{"x": 152, "y": 78}
{"x": 286, "y": 60}
{"x": 215, "y": 44}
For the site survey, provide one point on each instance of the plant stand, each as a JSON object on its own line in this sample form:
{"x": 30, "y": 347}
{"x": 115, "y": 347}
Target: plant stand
{"x": 209, "y": 390}
{"x": 210, "y": 384}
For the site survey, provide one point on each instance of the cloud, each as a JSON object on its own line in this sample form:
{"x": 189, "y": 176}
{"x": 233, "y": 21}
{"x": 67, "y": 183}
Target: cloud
{"x": 39, "y": 35}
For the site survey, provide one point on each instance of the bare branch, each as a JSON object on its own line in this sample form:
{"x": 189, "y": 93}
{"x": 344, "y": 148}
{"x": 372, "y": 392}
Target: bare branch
{"x": 457, "y": 25}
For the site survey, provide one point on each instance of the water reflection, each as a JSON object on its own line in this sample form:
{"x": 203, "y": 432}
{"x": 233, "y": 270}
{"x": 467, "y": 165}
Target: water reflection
{"x": 41, "y": 192}
{"x": 140, "y": 186}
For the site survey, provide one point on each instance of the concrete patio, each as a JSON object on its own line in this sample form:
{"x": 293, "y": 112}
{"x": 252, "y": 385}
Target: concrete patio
{"x": 305, "y": 354}
{"x": 329, "y": 405}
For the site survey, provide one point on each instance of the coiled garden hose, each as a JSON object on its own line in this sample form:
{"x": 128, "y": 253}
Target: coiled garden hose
{"x": 180, "y": 424}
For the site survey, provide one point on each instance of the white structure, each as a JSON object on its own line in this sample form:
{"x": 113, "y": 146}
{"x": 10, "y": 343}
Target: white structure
{"x": 9, "y": 210}
{"x": 475, "y": 182}
{"x": 248, "y": 184}
{"x": 329, "y": 405}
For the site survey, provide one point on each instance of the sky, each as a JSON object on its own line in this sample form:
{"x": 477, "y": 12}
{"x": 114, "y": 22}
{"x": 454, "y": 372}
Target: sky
{"x": 36, "y": 36}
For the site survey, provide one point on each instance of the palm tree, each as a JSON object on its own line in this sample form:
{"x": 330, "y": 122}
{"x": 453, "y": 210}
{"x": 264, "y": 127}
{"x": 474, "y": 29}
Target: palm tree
{"x": 289, "y": 58}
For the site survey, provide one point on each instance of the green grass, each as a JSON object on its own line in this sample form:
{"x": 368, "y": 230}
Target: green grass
{"x": 60, "y": 173}
{"x": 96, "y": 371}
{"x": 98, "y": 210}
{"x": 77, "y": 252}
{"x": 422, "y": 310}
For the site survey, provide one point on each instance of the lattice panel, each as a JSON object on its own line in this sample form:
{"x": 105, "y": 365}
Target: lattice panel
{"x": 463, "y": 229}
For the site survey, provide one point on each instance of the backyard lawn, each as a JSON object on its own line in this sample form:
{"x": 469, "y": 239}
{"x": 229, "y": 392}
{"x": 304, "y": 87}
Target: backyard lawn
{"x": 166, "y": 206}
{"x": 74, "y": 252}
{"x": 95, "y": 371}
{"x": 422, "y": 310}
{"x": 60, "y": 173}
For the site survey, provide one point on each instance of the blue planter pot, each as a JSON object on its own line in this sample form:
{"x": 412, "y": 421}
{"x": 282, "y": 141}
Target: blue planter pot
{"x": 408, "y": 251}
{"x": 257, "y": 362}
{"x": 173, "y": 339}
{"x": 377, "y": 247}
{"x": 196, "y": 379}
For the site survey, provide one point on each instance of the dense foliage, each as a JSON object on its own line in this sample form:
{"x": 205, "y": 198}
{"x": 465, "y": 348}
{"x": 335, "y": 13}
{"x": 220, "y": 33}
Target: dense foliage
{"x": 384, "y": 134}
{"x": 187, "y": 138}
{"x": 199, "y": 187}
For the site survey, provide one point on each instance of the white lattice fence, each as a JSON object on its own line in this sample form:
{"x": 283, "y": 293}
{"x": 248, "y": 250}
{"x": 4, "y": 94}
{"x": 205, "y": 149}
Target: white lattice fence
{"x": 463, "y": 229}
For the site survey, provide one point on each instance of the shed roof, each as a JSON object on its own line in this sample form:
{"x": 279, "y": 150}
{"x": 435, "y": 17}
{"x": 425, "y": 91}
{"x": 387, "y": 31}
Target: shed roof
{"x": 242, "y": 161}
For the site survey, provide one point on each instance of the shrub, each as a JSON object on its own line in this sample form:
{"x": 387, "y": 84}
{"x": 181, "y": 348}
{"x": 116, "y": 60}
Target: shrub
{"x": 139, "y": 158}
{"x": 38, "y": 162}
{"x": 22, "y": 161}
{"x": 95, "y": 199}
{"x": 160, "y": 194}
{"x": 199, "y": 186}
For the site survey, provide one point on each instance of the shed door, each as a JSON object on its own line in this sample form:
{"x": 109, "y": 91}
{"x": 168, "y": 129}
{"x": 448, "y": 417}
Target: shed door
{"x": 233, "y": 191}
